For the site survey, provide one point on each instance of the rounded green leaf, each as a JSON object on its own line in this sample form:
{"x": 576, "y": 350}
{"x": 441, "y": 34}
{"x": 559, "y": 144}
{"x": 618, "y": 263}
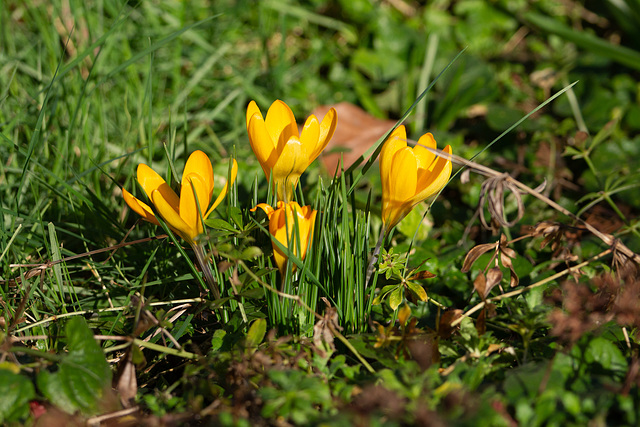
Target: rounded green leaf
{"x": 395, "y": 299}
{"x": 82, "y": 376}
{"x": 16, "y": 391}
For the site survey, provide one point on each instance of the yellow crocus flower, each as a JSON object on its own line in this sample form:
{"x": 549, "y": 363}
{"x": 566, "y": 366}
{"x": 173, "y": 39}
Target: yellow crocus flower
{"x": 282, "y": 151}
{"x": 281, "y": 225}
{"x": 409, "y": 175}
{"x": 180, "y": 213}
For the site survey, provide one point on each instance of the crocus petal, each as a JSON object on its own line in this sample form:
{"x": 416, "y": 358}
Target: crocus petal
{"x": 437, "y": 179}
{"x": 307, "y": 218}
{"x": 277, "y": 228}
{"x": 252, "y": 109}
{"x": 265, "y": 207}
{"x": 150, "y": 181}
{"x": 283, "y": 221}
{"x": 198, "y": 163}
{"x": 262, "y": 143}
{"x": 403, "y": 178}
{"x": 139, "y": 207}
{"x": 172, "y": 218}
{"x": 309, "y": 139}
{"x": 281, "y": 123}
{"x": 274, "y": 140}
{"x": 182, "y": 214}
{"x": 327, "y": 128}
{"x": 409, "y": 175}
{"x": 225, "y": 189}
{"x": 189, "y": 212}
{"x": 288, "y": 168}
{"x": 395, "y": 142}
{"x": 291, "y": 160}
{"x": 424, "y": 156}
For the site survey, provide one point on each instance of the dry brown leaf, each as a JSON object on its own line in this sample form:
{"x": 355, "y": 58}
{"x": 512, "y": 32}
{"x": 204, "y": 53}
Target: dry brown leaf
{"x": 505, "y": 260}
{"x": 322, "y": 330}
{"x": 494, "y": 276}
{"x": 481, "y": 323}
{"x": 445, "y": 330}
{"x": 474, "y": 254}
{"x": 480, "y": 284}
{"x": 424, "y": 351}
{"x": 465, "y": 177}
{"x": 125, "y": 382}
{"x": 422, "y": 275}
{"x": 514, "y": 280}
{"x": 492, "y": 194}
{"x": 356, "y": 131}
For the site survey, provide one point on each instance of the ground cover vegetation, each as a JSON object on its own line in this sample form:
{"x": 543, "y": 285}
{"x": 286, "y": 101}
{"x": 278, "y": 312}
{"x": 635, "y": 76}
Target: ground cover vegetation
{"x": 190, "y": 234}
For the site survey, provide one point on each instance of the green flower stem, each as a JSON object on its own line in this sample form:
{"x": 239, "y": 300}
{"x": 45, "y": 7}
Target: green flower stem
{"x": 198, "y": 250}
{"x": 166, "y": 350}
{"x": 374, "y": 258}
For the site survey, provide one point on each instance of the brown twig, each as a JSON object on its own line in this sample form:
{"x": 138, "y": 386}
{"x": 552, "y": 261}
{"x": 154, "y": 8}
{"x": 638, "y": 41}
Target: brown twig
{"x": 38, "y": 269}
{"x": 544, "y": 281}
{"x": 608, "y": 239}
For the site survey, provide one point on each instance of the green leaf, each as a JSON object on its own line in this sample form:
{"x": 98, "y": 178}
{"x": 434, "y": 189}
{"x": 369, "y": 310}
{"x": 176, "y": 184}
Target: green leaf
{"x": 387, "y": 288}
{"x": 606, "y": 353}
{"x": 395, "y": 299}
{"x": 219, "y": 224}
{"x": 256, "y": 333}
{"x": 251, "y": 252}
{"x": 235, "y": 214}
{"x": 417, "y": 290}
{"x": 218, "y": 339}
{"x": 82, "y": 377}
{"x": 416, "y": 218}
{"x": 16, "y": 391}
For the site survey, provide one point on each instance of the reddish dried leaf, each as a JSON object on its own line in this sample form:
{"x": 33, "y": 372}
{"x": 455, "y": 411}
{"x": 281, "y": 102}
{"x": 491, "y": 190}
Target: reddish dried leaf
{"x": 545, "y": 228}
{"x": 356, "y": 131}
{"x": 422, "y": 275}
{"x": 546, "y": 240}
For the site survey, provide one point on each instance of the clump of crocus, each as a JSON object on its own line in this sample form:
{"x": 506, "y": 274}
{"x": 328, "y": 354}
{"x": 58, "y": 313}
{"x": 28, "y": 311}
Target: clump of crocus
{"x": 283, "y": 152}
{"x": 183, "y": 214}
{"x": 282, "y": 223}
{"x": 409, "y": 175}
